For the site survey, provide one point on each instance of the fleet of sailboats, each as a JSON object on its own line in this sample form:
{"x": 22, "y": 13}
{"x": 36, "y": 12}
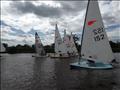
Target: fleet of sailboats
{"x": 70, "y": 44}
{"x": 65, "y": 47}
{"x": 60, "y": 47}
{"x": 96, "y": 52}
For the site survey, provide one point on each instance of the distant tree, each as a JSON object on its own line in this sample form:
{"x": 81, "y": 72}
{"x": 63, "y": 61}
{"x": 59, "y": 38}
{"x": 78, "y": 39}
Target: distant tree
{"x": 50, "y": 48}
{"x": 12, "y": 49}
{"x": 33, "y": 47}
{"x": 5, "y": 45}
{"x": 115, "y": 46}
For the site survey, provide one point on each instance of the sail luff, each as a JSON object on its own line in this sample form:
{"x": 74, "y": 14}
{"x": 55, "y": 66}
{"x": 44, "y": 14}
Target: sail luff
{"x": 84, "y": 26}
{"x": 65, "y": 33}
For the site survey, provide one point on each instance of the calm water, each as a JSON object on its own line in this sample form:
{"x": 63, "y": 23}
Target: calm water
{"x": 23, "y": 72}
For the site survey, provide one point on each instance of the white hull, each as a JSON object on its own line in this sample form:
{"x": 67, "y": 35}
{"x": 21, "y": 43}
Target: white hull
{"x": 54, "y": 55}
{"x": 39, "y": 56}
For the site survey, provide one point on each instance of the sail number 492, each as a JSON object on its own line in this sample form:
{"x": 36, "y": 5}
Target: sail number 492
{"x": 98, "y": 34}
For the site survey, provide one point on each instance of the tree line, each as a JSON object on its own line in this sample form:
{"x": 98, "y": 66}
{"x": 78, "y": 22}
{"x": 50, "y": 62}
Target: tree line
{"x": 48, "y": 48}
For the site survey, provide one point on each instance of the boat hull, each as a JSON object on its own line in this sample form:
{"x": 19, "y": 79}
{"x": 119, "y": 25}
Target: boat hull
{"x": 58, "y": 57}
{"x": 38, "y": 56}
{"x": 86, "y": 65}
{"x": 54, "y": 55}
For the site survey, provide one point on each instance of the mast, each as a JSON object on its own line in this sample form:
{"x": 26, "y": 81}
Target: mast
{"x": 64, "y": 32}
{"x": 84, "y": 26}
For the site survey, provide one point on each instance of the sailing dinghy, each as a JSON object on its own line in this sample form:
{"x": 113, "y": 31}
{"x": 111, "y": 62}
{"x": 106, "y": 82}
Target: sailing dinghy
{"x": 60, "y": 47}
{"x": 96, "y": 52}
{"x": 40, "y": 52}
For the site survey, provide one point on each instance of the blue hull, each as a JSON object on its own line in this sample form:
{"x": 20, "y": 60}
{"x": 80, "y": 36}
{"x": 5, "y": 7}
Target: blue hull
{"x": 96, "y": 65}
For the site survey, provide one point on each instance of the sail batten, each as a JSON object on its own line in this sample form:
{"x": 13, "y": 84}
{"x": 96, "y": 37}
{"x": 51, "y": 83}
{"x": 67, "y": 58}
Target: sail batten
{"x": 95, "y": 44}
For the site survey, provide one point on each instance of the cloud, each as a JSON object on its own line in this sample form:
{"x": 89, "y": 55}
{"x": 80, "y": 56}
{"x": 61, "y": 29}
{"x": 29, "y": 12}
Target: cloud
{"x": 46, "y": 10}
{"x": 42, "y": 10}
{"x": 113, "y": 27}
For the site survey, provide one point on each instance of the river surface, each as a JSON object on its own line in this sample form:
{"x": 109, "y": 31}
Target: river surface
{"x": 24, "y": 72}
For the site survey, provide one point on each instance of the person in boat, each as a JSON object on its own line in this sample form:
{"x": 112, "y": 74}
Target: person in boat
{"x": 60, "y": 53}
{"x": 90, "y": 57}
{"x": 90, "y": 61}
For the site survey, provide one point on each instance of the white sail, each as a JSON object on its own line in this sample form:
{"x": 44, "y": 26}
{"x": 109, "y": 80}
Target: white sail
{"x": 39, "y": 46}
{"x": 73, "y": 46}
{"x": 2, "y": 48}
{"x": 95, "y": 44}
{"x": 59, "y": 45}
{"x": 66, "y": 41}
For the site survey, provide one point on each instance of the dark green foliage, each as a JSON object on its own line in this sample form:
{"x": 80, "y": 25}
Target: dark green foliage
{"x": 20, "y": 49}
{"x": 115, "y": 46}
{"x": 28, "y": 49}
{"x": 5, "y": 45}
{"x": 50, "y": 48}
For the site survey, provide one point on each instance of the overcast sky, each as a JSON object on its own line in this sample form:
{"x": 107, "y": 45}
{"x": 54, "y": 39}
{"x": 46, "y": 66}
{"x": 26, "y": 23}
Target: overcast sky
{"x": 21, "y": 19}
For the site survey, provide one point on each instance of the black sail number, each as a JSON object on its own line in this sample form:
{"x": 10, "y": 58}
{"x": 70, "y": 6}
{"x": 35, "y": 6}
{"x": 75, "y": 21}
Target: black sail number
{"x": 98, "y": 34}
{"x": 98, "y": 31}
{"x": 102, "y": 36}
{"x": 99, "y": 37}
